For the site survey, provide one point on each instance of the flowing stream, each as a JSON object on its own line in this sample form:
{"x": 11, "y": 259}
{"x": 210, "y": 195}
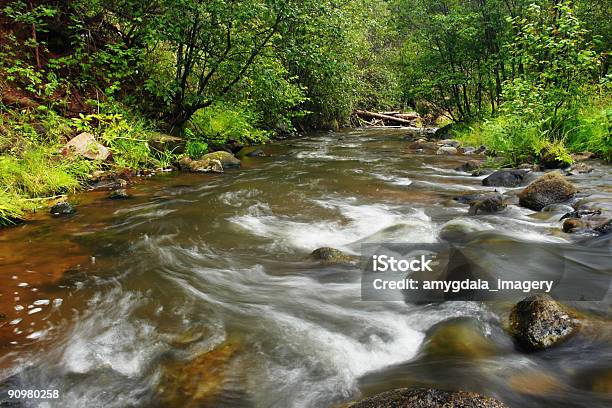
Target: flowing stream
{"x": 197, "y": 291}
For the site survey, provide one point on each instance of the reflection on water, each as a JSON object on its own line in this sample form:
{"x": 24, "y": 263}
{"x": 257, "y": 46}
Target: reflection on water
{"x": 197, "y": 292}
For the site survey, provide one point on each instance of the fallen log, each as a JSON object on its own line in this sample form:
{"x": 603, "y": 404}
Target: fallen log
{"x": 383, "y": 117}
{"x": 408, "y": 116}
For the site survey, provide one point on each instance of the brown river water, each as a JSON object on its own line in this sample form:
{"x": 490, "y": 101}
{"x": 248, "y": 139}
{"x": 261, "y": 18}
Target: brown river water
{"x": 196, "y": 292}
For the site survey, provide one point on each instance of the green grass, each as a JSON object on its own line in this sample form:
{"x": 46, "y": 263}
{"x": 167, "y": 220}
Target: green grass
{"x": 521, "y": 140}
{"x": 32, "y": 167}
{"x": 12, "y": 207}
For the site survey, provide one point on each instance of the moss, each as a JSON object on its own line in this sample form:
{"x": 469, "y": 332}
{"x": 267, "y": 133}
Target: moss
{"x": 551, "y": 188}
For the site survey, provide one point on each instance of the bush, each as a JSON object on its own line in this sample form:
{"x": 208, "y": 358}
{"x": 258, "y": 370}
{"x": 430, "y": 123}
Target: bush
{"x": 220, "y": 123}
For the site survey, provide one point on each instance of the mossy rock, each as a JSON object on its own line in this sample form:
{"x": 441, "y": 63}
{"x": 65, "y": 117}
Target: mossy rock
{"x": 427, "y": 398}
{"x": 331, "y": 256}
{"x": 539, "y": 322}
{"x": 551, "y": 188}
{"x": 203, "y": 165}
{"x": 226, "y": 158}
{"x": 488, "y": 205}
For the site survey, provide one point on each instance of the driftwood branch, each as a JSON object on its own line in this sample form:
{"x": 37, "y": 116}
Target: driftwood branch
{"x": 399, "y": 118}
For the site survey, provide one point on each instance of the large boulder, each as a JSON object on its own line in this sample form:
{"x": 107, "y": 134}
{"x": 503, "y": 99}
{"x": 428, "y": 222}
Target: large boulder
{"x": 507, "y": 178}
{"x": 227, "y": 159}
{"x": 427, "y": 398}
{"x": 539, "y": 322}
{"x": 330, "y": 255}
{"x": 551, "y": 188}
{"x": 85, "y": 145}
{"x": 201, "y": 166}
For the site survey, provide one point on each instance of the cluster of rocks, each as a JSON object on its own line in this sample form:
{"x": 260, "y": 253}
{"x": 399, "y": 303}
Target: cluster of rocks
{"x": 447, "y": 147}
{"x": 86, "y": 145}
{"x": 551, "y": 191}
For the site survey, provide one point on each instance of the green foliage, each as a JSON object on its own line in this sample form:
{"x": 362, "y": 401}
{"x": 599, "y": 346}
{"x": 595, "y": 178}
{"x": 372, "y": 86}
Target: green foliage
{"x": 221, "y": 123}
{"x": 127, "y": 139}
{"x": 37, "y": 173}
{"x": 12, "y": 208}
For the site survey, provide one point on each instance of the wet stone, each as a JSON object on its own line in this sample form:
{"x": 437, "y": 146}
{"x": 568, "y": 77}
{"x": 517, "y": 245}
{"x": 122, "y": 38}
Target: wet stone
{"x": 63, "y": 208}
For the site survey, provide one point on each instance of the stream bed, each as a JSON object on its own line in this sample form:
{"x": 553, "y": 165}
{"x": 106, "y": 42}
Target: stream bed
{"x": 197, "y": 291}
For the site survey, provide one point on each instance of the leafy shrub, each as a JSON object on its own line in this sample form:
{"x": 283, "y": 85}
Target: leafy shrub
{"x": 221, "y": 123}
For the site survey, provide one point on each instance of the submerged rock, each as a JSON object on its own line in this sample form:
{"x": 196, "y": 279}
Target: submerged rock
{"x": 330, "y": 255}
{"x": 85, "y": 145}
{"x": 604, "y": 228}
{"x": 63, "y": 208}
{"x": 507, "y": 178}
{"x": 427, "y": 398}
{"x": 490, "y": 204}
{"x": 119, "y": 194}
{"x": 535, "y": 382}
{"x": 539, "y": 322}
{"x": 198, "y": 382}
{"x": 250, "y": 151}
{"x": 551, "y": 188}
{"x": 423, "y": 144}
{"x": 468, "y": 166}
{"x": 458, "y": 339}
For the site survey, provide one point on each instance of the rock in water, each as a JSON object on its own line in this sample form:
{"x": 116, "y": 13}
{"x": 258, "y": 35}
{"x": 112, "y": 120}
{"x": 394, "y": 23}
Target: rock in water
{"x": 580, "y": 168}
{"x": 573, "y": 224}
{"x": 63, "y": 208}
{"x": 604, "y": 228}
{"x": 458, "y": 339}
{"x": 427, "y": 398}
{"x": 207, "y": 165}
{"x": 85, "y": 144}
{"x": 447, "y": 150}
{"x": 507, "y": 178}
{"x": 468, "y": 166}
{"x": 450, "y": 142}
{"x": 330, "y": 255}
{"x": 227, "y": 159}
{"x": 551, "y": 188}
{"x": 539, "y": 322}
{"x": 119, "y": 194}
{"x": 491, "y": 204}
{"x": 250, "y": 151}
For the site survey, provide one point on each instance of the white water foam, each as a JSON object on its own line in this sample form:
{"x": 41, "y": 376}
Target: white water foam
{"x": 355, "y": 223}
